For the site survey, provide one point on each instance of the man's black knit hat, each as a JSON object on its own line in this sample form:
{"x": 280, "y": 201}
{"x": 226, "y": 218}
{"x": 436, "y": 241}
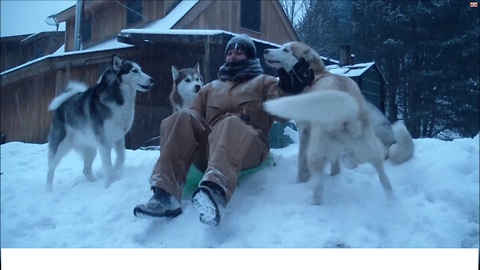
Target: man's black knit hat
{"x": 244, "y": 43}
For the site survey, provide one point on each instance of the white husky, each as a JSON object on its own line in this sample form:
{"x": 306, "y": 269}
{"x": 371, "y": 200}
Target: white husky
{"x": 335, "y": 120}
{"x": 97, "y": 117}
{"x": 186, "y": 84}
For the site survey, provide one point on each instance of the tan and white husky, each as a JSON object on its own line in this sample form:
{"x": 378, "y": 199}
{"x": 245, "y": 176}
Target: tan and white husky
{"x": 334, "y": 121}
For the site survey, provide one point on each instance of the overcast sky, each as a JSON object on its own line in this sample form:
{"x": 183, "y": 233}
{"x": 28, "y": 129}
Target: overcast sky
{"x": 28, "y": 17}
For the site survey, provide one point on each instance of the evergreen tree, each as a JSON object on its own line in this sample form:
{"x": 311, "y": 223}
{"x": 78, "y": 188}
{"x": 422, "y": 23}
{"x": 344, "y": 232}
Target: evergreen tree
{"x": 428, "y": 51}
{"x": 319, "y": 28}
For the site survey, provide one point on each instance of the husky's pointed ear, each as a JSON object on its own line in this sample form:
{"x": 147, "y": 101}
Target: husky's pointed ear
{"x": 116, "y": 63}
{"x": 310, "y": 55}
{"x": 197, "y": 67}
{"x": 174, "y": 72}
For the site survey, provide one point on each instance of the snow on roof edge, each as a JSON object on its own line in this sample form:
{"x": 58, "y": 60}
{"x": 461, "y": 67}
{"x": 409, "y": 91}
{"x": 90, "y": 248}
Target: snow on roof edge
{"x": 163, "y": 27}
{"x": 350, "y": 70}
{"x": 109, "y": 44}
{"x": 205, "y": 32}
{"x": 173, "y": 16}
{"x": 172, "y": 31}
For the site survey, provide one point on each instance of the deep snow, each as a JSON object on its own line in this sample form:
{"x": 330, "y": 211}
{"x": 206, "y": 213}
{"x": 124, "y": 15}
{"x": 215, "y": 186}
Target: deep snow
{"x": 436, "y": 206}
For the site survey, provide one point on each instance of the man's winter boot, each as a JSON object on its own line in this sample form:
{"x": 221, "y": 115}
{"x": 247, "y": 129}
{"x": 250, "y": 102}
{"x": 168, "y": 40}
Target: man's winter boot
{"x": 162, "y": 204}
{"x": 208, "y": 199}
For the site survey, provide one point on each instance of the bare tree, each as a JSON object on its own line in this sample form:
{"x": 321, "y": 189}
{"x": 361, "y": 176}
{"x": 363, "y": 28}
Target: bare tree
{"x": 295, "y": 9}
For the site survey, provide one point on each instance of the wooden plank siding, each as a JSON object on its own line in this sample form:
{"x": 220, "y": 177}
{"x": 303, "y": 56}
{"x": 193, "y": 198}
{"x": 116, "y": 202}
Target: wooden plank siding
{"x": 21, "y": 116}
{"x": 109, "y": 18}
{"x": 273, "y": 29}
{"x": 18, "y": 50}
{"x": 25, "y": 95}
{"x": 372, "y": 87}
{"x": 27, "y": 91}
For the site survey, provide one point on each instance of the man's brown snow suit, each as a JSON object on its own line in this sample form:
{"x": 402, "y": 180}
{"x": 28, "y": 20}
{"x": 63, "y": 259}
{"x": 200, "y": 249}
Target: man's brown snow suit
{"x": 225, "y": 131}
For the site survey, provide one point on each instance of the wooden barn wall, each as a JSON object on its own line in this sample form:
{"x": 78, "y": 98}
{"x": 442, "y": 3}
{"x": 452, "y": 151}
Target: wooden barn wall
{"x": 273, "y": 28}
{"x": 215, "y": 14}
{"x": 12, "y": 55}
{"x": 110, "y": 18}
{"x": 69, "y": 34}
{"x": 372, "y": 88}
{"x": 24, "y": 100}
{"x": 15, "y": 52}
{"x": 153, "y": 9}
{"x": 24, "y": 114}
{"x": 226, "y": 16}
{"x": 153, "y": 106}
{"x": 24, "y": 103}
{"x": 107, "y": 21}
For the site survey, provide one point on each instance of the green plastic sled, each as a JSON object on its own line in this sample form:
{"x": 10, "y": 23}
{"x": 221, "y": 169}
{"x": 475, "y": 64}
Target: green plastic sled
{"x": 194, "y": 176}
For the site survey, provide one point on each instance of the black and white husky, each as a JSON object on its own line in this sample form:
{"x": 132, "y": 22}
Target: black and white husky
{"x": 186, "y": 84}
{"x": 97, "y": 117}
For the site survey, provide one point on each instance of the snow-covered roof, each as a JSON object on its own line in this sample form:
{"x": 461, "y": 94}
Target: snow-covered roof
{"x": 350, "y": 71}
{"x": 173, "y": 16}
{"x": 105, "y": 45}
{"x": 163, "y": 24}
{"x": 163, "y": 27}
{"x": 152, "y": 32}
{"x": 161, "y": 31}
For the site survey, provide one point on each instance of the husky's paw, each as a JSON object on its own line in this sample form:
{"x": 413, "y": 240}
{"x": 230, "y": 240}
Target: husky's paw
{"x": 91, "y": 179}
{"x": 390, "y": 195}
{"x": 317, "y": 199}
{"x": 118, "y": 167}
{"x": 89, "y": 176}
{"x": 335, "y": 168}
{"x": 317, "y": 196}
{"x": 303, "y": 176}
{"x": 109, "y": 182}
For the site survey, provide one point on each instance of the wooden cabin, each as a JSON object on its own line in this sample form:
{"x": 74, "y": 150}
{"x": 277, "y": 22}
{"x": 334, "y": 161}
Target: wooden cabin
{"x": 28, "y": 89}
{"x": 17, "y": 50}
{"x": 155, "y": 34}
{"x": 104, "y": 19}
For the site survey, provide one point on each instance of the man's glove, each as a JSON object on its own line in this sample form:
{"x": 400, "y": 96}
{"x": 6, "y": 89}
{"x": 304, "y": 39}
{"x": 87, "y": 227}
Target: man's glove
{"x": 297, "y": 79}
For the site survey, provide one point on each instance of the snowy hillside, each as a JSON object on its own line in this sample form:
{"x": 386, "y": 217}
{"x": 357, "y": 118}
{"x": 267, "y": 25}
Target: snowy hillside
{"x": 437, "y": 204}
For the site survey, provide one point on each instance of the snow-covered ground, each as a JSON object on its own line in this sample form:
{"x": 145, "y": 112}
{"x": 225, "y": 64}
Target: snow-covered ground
{"x": 436, "y": 206}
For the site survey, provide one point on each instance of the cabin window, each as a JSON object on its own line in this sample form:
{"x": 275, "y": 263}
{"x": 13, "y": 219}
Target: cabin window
{"x": 134, "y": 11}
{"x": 87, "y": 30}
{"x": 250, "y": 14}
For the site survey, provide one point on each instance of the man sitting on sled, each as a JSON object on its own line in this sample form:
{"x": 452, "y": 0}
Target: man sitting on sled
{"x": 225, "y": 131}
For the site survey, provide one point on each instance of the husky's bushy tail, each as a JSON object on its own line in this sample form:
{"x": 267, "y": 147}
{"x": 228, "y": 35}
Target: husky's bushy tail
{"x": 321, "y": 107}
{"x": 73, "y": 88}
{"x": 402, "y": 149}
